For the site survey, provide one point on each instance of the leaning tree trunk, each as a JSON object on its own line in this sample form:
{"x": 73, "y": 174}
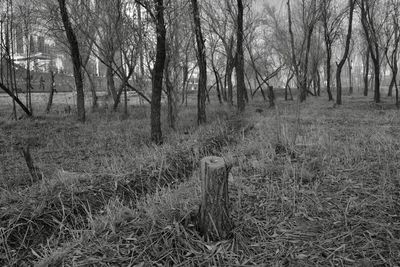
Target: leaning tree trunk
{"x": 158, "y": 74}
{"x": 201, "y": 58}
{"x": 16, "y": 99}
{"x": 76, "y": 60}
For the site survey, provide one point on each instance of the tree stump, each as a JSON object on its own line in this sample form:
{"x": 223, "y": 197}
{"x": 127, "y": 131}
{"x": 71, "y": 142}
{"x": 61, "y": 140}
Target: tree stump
{"x": 214, "y": 221}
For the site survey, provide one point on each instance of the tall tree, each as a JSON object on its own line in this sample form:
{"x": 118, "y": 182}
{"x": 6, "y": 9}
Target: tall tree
{"x": 241, "y": 87}
{"x": 331, "y": 22}
{"x": 372, "y": 20}
{"x": 158, "y": 73}
{"x": 345, "y": 54}
{"x": 309, "y": 15}
{"x": 76, "y": 60}
{"x": 201, "y": 59}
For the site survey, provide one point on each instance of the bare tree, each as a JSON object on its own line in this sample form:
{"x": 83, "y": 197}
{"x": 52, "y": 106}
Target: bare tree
{"x": 201, "y": 59}
{"x": 76, "y": 59}
{"x": 241, "y": 87}
{"x": 158, "y": 72}
{"x": 345, "y": 54}
{"x": 392, "y": 36}
{"x": 309, "y": 15}
{"x": 331, "y": 23}
{"x": 373, "y": 19}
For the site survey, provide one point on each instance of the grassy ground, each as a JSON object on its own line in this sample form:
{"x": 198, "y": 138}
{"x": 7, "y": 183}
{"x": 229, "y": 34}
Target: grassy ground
{"x": 310, "y": 185}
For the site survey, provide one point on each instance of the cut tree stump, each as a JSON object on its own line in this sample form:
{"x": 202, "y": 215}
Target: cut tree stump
{"x": 214, "y": 220}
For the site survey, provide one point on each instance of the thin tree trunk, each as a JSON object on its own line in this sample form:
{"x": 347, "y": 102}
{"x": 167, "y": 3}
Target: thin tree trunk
{"x": 228, "y": 82}
{"x": 110, "y": 82}
{"x": 16, "y": 99}
{"x": 350, "y": 79}
{"x": 293, "y": 54}
{"x": 76, "y": 60}
{"x": 201, "y": 58}
{"x": 345, "y": 55}
{"x": 366, "y": 73}
{"x": 158, "y": 73}
{"x": 52, "y": 90}
{"x": 240, "y": 84}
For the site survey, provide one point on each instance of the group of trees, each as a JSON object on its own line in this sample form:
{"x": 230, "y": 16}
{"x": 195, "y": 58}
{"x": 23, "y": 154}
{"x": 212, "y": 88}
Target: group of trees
{"x": 164, "y": 41}
{"x": 369, "y": 27}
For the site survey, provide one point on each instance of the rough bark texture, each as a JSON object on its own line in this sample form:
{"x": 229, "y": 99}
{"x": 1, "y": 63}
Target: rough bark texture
{"x": 214, "y": 219}
{"x": 241, "y": 87}
{"x": 201, "y": 58}
{"x": 76, "y": 60}
{"x": 346, "y": 53}
{"x": 158, "y": 73}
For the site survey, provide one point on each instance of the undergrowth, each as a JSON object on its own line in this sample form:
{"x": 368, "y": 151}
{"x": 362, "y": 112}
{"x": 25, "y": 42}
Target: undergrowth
{"x": 319, "y": 189}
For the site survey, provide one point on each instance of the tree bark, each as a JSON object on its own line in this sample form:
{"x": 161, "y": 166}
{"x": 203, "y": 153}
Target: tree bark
{"x": 366, "y": 72}
{"x": 158, "y": 74}
{"x": 350, "y": 79}
{"x": 345, "y": 55}
{"x": 201, "y": 58}
{"x": 52, "y": 90}
{"x": 214, "y": 217}
{"x": 368, "y": 25}
{"x": 241, "y": 86}
{"x": 76, "y": 60}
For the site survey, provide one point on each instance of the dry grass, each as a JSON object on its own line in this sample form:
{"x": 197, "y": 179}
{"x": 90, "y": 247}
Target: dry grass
{"x": 319, "y": 189}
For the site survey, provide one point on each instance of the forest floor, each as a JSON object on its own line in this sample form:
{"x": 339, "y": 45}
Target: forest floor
{"x": 311, "y": 185}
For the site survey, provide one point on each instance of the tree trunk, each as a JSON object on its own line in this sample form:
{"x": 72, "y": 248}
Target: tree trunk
{"x": 16, "y": 99}
{"x": 76, "y": 60}
{"x": 304, "y": 87}
{"x": 366, "y": 72}
{"x": 240, "y": 84}
{"x": 394, "y": 75}
{"x": 110, "y": 82}
{"x": 158, "y": 74}
{"x": 92, "y": 88}
{"x": 271, "y": 96}
{"x": 350, "y": 79}
{"x": 185, "y": 71}
{"x": 228, "y": 81}
{"x": 345, "y": 55}
{"x": 287, "y": 87}
{"x": 201, "y": 58}
{"x": 397, "y": 94}
{"x": 377, "y": 72}
{"x": 217, "y": 79}
{"x": 328, "y": 47}
{"x": 292, "y": 46}
{"x": 214, "y": 217}
{"x": 172, "y": 112}
{"x": 52, "y": 90}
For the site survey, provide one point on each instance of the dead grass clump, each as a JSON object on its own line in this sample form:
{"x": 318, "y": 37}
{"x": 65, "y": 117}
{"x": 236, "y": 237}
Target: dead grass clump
{"x": 65, "y": 205}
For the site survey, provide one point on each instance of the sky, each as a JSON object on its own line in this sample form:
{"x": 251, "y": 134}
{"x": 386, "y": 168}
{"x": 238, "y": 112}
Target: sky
{"x": 277, "y": 3}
